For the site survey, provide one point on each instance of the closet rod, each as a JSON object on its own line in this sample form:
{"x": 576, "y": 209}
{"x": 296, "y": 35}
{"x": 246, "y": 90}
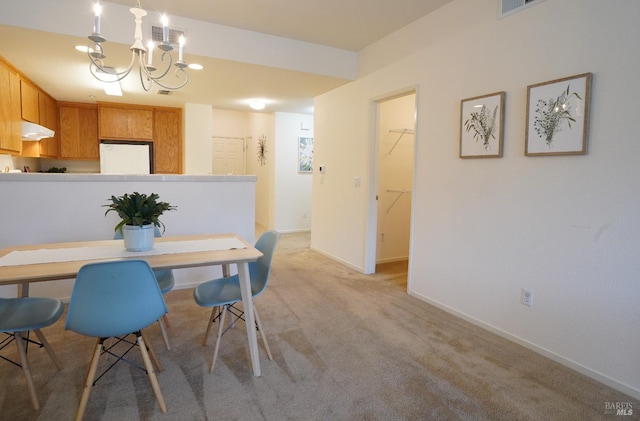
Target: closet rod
{"x": 402, "y": 133}
{"x": 400, "y": 193}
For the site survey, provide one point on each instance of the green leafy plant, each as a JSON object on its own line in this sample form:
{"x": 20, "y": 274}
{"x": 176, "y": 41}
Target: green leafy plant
{"x": 138, "y": 209}
{"x": 550, "y": 115}
{"x": 483, "y": 124}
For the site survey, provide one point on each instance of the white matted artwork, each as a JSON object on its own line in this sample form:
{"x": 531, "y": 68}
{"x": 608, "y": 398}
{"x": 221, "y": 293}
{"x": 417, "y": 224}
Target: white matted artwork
{"x": 481, "y": 126}
{"x": 305, "y": 154}
{"x": 558, "y": 116}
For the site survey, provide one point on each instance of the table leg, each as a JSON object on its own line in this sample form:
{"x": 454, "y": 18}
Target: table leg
{"x": 23, "y": 290}
{"x": 250, "y": 321}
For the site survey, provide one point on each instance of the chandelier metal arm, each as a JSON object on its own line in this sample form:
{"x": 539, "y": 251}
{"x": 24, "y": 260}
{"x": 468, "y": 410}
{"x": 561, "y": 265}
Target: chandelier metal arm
{"x": 146, "y": 70}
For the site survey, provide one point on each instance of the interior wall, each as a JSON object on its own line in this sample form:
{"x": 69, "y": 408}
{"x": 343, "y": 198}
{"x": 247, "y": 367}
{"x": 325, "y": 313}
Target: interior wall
{"x": 262, "y": 124}
{"x": 198, "y": 148}
{"x": 565, "y": 227}
{"x": 292, "y": 188}
{"x": 395, "y": 177}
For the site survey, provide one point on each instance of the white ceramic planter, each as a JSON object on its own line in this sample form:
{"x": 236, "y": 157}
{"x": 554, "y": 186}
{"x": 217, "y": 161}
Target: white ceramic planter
{"x": 138, "y": 238}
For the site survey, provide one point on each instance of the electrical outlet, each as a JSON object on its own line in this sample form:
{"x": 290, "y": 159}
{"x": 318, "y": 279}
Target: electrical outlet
{"x": 526, "y": 297}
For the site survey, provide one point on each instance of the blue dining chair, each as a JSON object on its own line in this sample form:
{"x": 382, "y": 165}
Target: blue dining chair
{"x": 18, "y": 316}
{"x": 222, "y": 294}
{"x": 115, "y": 299}
{"x": 166, "y": 281}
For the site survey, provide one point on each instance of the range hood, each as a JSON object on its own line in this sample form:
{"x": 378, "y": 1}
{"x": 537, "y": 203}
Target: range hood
{"x": 32, "y": 131}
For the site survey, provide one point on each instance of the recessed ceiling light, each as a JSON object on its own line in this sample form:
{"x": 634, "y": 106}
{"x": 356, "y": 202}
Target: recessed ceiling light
{"x": 195, "y": 66}
{"x": 256, "y": 104}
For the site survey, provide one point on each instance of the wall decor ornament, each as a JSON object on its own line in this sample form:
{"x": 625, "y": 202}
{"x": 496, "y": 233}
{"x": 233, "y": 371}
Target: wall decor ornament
{"x": 262, "y": 149}
{"x": 481, "y": 126}
{"x": 558, "y": 116}
{"x": 305, "y": 154}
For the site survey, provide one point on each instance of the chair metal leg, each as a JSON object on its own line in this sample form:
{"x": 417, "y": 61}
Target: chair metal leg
{"x": 46, "y": 345}
{"x": 217, "y": 347}
{"x": 262, "y": 334}
{"x": 164, "y": 333}
{"x": 151, "y": 373}
{"x": 91, "y": 375}
{"x": 20, "y": 343}
{"x": 214, "y": 314}
{"x": 152, "y": 352}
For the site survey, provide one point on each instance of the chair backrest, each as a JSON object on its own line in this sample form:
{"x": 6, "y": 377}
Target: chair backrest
{"x": 260, "y": 269}
{"x": 114, "y": 298}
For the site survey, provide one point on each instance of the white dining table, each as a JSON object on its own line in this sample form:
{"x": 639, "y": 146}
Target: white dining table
{"x": 25, "y": 264}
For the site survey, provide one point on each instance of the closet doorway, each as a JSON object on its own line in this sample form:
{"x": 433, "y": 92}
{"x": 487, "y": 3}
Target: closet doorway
{"x": 390, "y": 247}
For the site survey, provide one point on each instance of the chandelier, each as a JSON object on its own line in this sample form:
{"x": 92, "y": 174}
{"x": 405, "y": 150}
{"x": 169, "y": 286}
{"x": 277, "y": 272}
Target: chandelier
{"x": 149, "y": 73}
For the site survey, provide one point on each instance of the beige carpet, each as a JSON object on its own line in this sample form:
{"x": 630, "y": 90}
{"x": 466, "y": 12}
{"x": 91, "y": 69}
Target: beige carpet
{"x": 346, "y": 347}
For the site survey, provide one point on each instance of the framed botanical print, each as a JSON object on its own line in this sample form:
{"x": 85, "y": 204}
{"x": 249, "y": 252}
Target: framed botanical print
{"x": 481, "y": 126}
{"x": 558, "y": 116}
{"x": 305, "y": 154}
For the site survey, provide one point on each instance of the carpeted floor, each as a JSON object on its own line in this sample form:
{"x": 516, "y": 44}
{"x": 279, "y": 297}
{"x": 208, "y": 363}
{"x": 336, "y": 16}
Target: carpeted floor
{"x": 346, "y": 347}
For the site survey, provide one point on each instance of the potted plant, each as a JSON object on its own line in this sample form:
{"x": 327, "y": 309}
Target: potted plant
{"x": 139, "y": 215}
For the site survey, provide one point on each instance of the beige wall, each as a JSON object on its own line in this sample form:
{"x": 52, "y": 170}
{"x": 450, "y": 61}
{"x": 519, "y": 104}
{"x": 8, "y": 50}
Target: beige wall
{"x": 565, "y": 227}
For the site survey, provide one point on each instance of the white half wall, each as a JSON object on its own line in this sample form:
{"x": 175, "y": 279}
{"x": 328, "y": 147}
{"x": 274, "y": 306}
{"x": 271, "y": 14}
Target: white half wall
{"x": 50, "y": 208}
{"x": 565, "y": 227}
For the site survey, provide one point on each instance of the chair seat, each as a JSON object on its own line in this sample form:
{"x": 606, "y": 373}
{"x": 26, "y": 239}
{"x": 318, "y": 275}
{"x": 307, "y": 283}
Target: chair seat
{"x": 218, "y": 292}
{"x": 165, "y": 279}
{"x": 28, "y": 313}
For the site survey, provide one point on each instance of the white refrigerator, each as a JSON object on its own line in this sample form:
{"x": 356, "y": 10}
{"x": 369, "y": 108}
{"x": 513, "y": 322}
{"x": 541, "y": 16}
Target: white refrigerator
{"x": 126, "y": 158}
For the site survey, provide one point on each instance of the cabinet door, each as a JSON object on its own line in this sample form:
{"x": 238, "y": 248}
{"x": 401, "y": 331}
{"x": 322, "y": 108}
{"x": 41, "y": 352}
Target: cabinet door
{"x": 167, "y": 141}
{"x": 30, "y": 102}
{"x": 49, "y": 118}
{"x": 10, "y": 125}
{"x": 126, "y": 123}
{"x": 79, "y": 132}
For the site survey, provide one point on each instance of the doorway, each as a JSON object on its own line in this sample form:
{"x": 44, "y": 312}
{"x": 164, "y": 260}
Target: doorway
{"x": 229, "y": 155}
{"x": 390, "y": 210}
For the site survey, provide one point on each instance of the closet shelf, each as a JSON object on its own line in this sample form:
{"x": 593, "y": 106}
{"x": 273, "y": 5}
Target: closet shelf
{"x": 400, "y": 193}
{"x": 402, "y": 133}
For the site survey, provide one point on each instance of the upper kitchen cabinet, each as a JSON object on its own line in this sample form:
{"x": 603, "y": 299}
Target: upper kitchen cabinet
{"x": 79, "y": 131}
{"x": 167, "y": 140}
{"x": 49, "y": 118}
{"x": 30, "y": 102}
{"x": 10, "y": 125}
{"x": 125, "y": 123}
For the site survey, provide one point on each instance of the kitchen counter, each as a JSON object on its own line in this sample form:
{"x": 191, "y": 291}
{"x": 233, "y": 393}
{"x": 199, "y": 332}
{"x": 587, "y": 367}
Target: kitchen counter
{"x": 70, "y": 177}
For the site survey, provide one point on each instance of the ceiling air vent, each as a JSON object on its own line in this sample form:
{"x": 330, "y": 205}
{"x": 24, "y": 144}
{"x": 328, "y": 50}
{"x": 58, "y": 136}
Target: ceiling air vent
{"x": 164, "y": 92}
{"x": 174, "y": 35}
{"x": 509, "y": 7}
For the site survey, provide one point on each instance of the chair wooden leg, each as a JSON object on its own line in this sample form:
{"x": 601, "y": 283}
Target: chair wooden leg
{"x": 165, "y": 319}
{"x": 217, "y": 347}
{"x": 164, "y": 333}
{"x": 262, "y": 334}
{"x": 152, "y": 352}
{"x": 151, "y": 373}
{"x": 88, "y": 384}
{"x": 46, "y": 345}
{"x": 211, "y": 318}
{"x": 22, "y": 351}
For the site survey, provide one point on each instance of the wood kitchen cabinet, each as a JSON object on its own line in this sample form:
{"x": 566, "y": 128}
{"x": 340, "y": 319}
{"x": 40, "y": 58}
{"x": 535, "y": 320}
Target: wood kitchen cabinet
{"x": 49, "y": 118}
{"x": 167, "y": 140}
{"x": 30, "y": 102}
{"x": 125, "y": 123}
{"x": 10, "y": 113}
{"x": 79, "y": 131}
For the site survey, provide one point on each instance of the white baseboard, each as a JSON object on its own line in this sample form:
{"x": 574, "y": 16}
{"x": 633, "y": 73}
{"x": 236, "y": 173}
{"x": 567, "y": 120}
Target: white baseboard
{"x": 613, "y": 383}
{"x": 337, "y": 259}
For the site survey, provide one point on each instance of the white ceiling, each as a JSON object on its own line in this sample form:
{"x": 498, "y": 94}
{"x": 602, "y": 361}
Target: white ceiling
{"x": 50, "y": 61}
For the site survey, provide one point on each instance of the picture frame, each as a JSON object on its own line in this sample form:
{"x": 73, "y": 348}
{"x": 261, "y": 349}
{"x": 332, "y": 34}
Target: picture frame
{"x": 558, "y": 116}
{"x": 305, "y": 154}
{"x": 481, "y": 126}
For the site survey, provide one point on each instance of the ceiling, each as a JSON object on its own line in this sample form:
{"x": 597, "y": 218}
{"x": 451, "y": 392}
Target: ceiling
{"x": 51, "y": 62}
